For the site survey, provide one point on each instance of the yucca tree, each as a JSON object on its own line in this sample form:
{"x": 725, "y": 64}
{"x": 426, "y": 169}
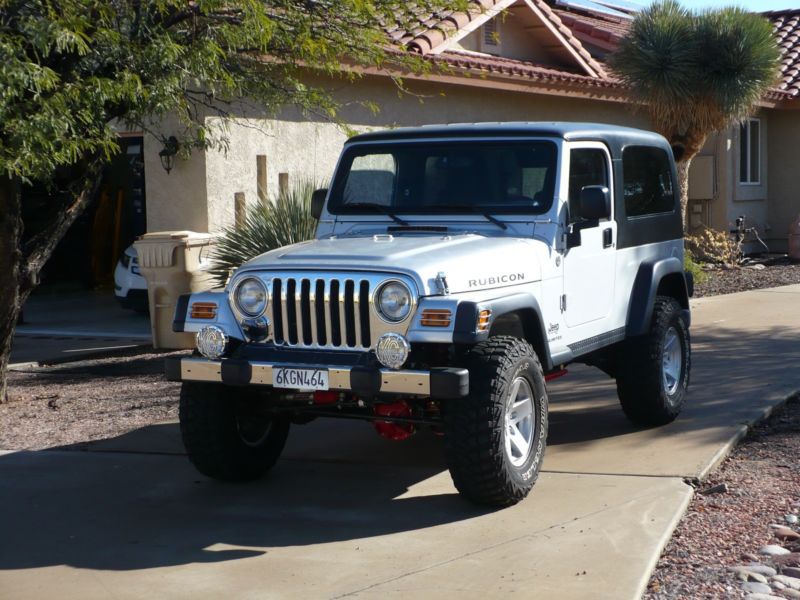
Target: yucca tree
{"x": 286, "y": 220}
{"x": 696, "y": 73}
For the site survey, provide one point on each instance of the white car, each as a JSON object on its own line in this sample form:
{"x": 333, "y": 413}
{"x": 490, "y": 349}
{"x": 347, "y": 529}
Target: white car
{"x": 130, "y": 287}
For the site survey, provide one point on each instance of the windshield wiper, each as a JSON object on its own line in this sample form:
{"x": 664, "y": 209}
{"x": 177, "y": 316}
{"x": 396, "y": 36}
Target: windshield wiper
{"x": 378, "y": 208}
{"x": 485, "y": 215}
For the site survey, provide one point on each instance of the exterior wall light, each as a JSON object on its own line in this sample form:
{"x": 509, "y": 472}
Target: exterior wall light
{"x": 167, "y": 155}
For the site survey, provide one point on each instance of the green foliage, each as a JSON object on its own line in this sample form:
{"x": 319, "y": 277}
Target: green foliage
{"x": 697, "y": 72}
{"x": 71, "y": 70}
{"x": 693, "y": 267}
{"x": 267, "y": 226}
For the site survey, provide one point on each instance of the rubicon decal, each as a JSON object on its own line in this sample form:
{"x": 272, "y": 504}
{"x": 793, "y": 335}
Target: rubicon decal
{"x": 496, "y": 279}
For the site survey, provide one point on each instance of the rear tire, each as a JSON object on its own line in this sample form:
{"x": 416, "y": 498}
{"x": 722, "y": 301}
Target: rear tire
{"x": 225, "y": 440}
{"x": 495, "y": 438}
{"x": 653, "y": 374}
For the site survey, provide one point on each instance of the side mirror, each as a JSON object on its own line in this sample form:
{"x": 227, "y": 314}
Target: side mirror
{"x": 594, "y": 203}
{"x": 318, "y": 202}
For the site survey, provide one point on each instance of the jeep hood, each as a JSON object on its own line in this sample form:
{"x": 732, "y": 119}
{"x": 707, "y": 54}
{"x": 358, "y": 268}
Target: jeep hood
{"x": 469, "y": 261}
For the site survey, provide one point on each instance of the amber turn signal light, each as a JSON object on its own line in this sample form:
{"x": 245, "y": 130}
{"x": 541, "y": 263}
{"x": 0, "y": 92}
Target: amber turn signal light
{"x": 204, "y": 310}
{"x": 483, "y": 320}
{"x": 436, "y": 317}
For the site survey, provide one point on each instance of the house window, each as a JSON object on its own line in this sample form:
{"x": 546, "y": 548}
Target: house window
{"x": 647, "y": 181}
{"x": 750, "y": 152}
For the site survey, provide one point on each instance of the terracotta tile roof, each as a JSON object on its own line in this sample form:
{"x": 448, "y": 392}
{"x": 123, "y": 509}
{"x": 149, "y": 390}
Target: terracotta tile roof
{"x": 787, "y": 30}
{"x": 494, "y": 65}
{"x": 597, "y": 26}
{"x": 429, "y": 30}
{"x": 422, "y": 31}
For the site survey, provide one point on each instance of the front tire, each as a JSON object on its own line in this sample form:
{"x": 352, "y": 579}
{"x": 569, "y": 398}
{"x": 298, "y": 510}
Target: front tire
{"x": 224, "y": 437}
{"x": 653, "y": 375}
{"x": 495, "y": 438}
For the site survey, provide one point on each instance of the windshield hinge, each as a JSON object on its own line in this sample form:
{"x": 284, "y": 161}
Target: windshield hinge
{"x": 441, "y": 282}
{"x": 563, "y": 303}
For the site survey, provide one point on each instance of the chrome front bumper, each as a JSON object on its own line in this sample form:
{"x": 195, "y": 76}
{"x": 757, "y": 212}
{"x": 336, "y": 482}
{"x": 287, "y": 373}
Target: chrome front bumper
{"x": 438, "y": 383}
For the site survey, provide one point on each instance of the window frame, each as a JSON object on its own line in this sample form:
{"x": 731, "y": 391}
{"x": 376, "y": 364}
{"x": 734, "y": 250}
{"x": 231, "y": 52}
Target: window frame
{"x": 747, "y": 126}
{"x": 609, "y": 175}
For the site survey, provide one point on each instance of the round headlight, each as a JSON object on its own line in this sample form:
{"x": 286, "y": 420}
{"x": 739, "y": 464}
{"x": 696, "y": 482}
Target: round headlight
{"x": 251, "y": 297}
{"x": 394, "y": 301}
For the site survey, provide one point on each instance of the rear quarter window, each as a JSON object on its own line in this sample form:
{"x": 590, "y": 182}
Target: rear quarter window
{"x": 648, "y": 187}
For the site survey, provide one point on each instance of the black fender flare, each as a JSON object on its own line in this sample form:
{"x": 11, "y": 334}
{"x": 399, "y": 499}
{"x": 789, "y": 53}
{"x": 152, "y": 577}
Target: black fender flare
{"x": 645, "y": 288}
{"x": 464, "y": 328}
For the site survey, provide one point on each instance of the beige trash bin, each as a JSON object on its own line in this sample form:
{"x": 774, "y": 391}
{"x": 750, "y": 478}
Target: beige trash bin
{"x": 173, "y": 263}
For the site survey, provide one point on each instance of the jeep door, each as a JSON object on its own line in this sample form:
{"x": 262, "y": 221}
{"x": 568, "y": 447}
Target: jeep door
{"x": 589, "y": 264}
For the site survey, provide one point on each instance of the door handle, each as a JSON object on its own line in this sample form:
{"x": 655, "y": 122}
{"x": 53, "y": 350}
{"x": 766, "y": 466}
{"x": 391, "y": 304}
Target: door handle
{"x": 608, "y": 238}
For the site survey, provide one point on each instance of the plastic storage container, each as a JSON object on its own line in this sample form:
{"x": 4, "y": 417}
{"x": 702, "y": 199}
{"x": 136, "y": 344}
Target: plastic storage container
{"x": 173, "y": 263}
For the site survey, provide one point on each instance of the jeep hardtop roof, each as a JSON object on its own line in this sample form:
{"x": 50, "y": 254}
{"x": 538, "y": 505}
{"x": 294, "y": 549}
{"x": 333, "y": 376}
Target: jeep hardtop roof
{"x": 615, "y": 136}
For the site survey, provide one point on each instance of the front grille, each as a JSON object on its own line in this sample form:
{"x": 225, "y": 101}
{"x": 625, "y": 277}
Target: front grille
{"x": 321, "y": 312}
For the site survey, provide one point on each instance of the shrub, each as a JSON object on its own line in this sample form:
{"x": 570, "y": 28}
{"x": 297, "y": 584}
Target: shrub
{"x": 714, "y": 247}
{"x": 690, "y": 265}
{"x": 287, "y": 220}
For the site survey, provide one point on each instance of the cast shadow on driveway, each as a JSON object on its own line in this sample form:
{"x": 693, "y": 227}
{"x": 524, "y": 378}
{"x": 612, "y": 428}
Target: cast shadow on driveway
{"x": 114, "y": 509}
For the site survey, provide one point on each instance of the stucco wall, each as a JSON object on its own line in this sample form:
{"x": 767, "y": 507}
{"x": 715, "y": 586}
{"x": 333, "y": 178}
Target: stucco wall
{"x": 308, "y": 147}
{"x": 176, "y": 200}
{"x": 784, "y": 173}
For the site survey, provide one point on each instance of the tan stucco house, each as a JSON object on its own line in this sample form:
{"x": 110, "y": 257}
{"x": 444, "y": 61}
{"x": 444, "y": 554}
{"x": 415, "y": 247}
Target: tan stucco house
{"x": 510, "y": 60}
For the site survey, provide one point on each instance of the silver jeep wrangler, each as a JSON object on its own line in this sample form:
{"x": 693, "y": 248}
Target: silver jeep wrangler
{"x": 456, "y": 269}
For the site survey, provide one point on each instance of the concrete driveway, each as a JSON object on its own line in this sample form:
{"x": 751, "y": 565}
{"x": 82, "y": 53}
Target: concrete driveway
{"x": 346, "y": 513}
{"x": 62, "y": 326}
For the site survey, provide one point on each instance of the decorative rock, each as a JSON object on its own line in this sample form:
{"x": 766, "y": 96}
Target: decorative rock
{"x": 762, "y": 569}
{"x": 753, "y": 587}
{"x": 751, "y": 557}
{"x": 722, "y": 488}
{"x": 788, "y": 560}
{"x": 750, "y": 574}
{"x": 784, "y": 533}
{"x": 791, "y": 572}
{"x": 790, "y": 582}
{"x": 773, "y": 550}
{"x": 777, "y": 585}
{"x": 759, "y": 596}
{"x": 791, "y": 519}
{"x": 790, "y": 593}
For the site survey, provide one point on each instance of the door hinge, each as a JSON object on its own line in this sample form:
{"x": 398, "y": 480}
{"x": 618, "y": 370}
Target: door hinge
{"x": 563, "y": 303}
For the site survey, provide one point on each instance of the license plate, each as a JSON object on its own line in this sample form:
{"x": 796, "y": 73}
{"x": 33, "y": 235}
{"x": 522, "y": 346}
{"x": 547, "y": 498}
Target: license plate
{"x": 300, "y": 379}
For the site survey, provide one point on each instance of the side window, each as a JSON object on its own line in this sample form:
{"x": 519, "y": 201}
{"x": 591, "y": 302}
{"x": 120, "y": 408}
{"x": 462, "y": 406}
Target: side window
{"x": 371, "y": 180}
{"x": 587, "y": 166}
{"x": 647, "y": 181}
{"x": 750, "y": 151}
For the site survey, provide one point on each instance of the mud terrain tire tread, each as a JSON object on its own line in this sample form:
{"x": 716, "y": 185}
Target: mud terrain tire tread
{"x": 211, "y": 437}
{"x": 474, "y": 436}
{"x": 639, "y": 380}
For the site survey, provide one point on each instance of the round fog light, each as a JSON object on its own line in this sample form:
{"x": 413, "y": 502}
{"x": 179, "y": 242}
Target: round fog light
{"x": 212, "y": 342}
{"x": 392, "y": 350}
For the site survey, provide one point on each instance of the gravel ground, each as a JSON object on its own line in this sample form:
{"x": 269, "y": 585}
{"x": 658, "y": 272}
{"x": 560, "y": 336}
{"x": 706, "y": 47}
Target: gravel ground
{"x": 77, "y": 402}
{"x": 760, "y": 274}
{"x": 728, "y": 529}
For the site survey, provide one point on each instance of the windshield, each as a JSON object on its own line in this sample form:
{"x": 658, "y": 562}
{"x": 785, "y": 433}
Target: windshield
{"x": 446, "y": 177}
